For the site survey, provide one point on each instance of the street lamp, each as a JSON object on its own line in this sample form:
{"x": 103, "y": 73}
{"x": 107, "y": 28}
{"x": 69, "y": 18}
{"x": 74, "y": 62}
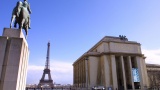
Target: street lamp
{"x": 41, "y": 87}
{"x": 86, "y": 59}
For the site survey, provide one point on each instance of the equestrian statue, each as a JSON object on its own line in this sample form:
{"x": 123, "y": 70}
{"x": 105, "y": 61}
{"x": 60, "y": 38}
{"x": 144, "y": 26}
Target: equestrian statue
{"x": 21, "y": 15}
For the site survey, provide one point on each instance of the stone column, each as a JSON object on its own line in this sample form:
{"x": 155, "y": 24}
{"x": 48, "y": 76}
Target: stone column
{"x": 114, "y": 72}
{"x": 78, "y": 74}
{"x": 15, "y": 60}
{"x": 123, "y": 73}
{"x": 145, "y": 73}
{"x": 130, "y": 69}
{"x": 92, "y": 70}
{"x": 86, "y": 65}
{"x": 73, "y": 74}
{"x": 83, "y": 73}
{"x": 138, "y": 60}
{"x": 107, "y": 70}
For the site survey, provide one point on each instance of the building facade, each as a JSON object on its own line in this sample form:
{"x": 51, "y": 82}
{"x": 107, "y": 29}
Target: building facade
{"x": 114, "y": 62}
{"x": 153, "y": 71}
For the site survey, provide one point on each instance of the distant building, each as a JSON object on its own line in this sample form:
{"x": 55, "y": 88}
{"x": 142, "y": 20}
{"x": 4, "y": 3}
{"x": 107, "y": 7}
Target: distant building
{"x": 114, "y": 62}
{"x": 31, "y": 86}
{"x": 153, "y": 71}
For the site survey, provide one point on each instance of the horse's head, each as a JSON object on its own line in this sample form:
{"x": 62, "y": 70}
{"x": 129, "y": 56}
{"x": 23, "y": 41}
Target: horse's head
{"x": 19, "y": 4}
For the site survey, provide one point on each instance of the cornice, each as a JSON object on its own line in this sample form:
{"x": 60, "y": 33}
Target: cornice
{"x": 98, "y": 54}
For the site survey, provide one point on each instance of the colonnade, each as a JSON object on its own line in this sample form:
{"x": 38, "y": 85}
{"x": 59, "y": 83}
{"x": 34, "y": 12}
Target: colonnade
{"x": 116, "y": 71}
{"x": 80, "y": 74}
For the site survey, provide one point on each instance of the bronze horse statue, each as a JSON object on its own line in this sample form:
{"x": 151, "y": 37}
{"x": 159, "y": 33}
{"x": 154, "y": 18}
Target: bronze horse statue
{"x": 21, "y": 16}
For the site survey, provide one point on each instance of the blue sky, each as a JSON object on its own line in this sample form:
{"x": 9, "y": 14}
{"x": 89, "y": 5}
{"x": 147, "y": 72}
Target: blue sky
{"x": 74, "y": 26}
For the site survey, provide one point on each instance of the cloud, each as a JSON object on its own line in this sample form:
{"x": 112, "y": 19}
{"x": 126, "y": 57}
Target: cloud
{"x": 61, "y": 72}
{"x": 152, "y": 56}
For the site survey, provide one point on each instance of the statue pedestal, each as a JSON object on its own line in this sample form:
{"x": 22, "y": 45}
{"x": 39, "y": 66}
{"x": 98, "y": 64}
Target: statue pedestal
{"x": 9, "y": 32}
{"x": 14, "y": 55}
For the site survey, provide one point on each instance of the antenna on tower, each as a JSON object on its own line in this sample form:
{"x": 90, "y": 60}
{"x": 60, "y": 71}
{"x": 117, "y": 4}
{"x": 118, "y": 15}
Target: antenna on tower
{"x": 47, "y": 66}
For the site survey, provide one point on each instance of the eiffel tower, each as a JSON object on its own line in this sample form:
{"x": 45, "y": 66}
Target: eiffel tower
{"x": 49, "y": 82}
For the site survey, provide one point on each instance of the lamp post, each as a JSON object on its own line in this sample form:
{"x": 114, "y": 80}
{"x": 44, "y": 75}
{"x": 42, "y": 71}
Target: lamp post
{"x": 41, "y": 87}
{"x": 86, "y": 59}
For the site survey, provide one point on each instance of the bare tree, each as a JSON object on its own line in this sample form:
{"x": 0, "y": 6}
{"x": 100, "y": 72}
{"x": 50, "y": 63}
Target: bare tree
{"x": 154, "y": 79}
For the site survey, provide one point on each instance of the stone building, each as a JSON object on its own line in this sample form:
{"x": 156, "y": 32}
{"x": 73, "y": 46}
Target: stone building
{"x": 113, "y": 62}
{"x": 153, "y": 71}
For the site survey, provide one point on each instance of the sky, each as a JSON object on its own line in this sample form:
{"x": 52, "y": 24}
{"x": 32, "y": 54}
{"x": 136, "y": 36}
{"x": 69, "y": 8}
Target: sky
{"x": 74, "y": 26}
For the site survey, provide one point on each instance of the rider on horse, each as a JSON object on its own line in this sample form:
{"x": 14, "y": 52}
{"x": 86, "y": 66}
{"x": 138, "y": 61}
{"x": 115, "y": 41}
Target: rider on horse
{"x": 26, "y": 4}
{"x": 17, "y": 9}
{"x": 16, "y": 12}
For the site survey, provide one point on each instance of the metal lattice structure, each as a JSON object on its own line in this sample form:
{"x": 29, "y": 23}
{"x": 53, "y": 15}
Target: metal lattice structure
{"x": 46, "y": 82}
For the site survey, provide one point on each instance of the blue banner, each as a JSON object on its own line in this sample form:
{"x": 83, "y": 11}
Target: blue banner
{"x": 135, "y": 75}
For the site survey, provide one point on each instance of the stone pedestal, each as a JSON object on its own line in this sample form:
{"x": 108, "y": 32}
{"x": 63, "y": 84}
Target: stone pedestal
{"x": 14, "y": 55}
